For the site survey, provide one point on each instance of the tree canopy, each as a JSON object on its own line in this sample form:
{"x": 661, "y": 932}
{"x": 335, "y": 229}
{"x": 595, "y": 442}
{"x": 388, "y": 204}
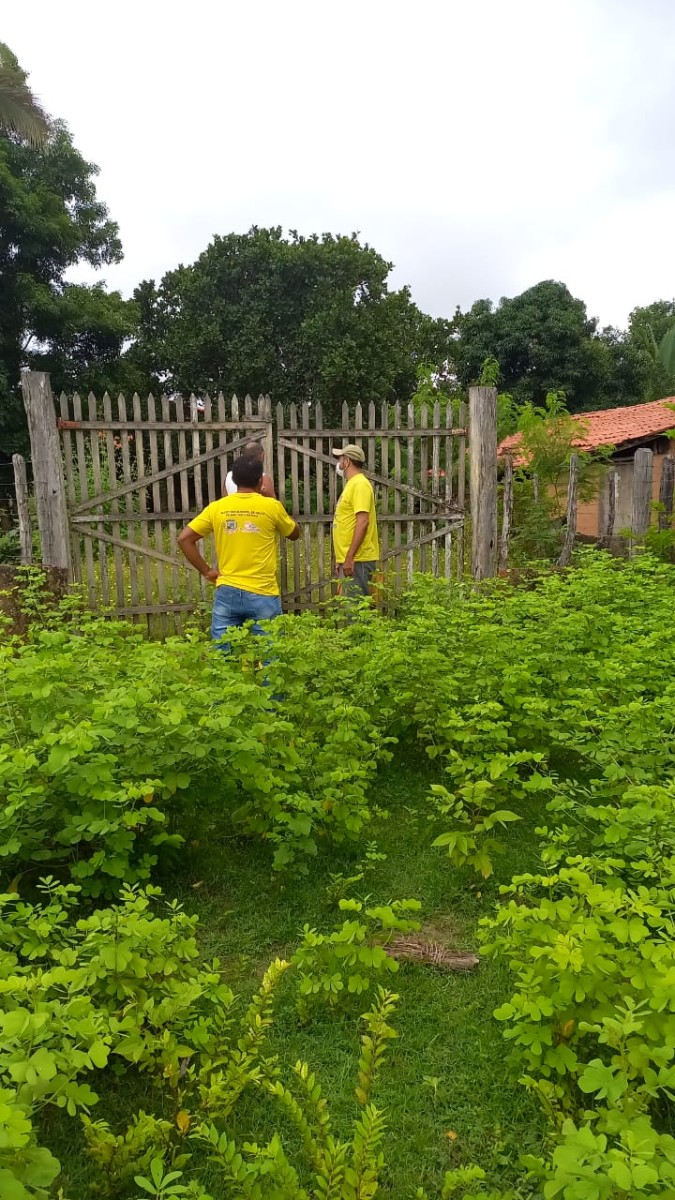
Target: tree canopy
{"x": 301, "y": 318}
{"x": 50, "y": 220}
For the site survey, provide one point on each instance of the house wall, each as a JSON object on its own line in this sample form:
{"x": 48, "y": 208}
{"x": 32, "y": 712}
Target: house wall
{"x": 592, "y": 515}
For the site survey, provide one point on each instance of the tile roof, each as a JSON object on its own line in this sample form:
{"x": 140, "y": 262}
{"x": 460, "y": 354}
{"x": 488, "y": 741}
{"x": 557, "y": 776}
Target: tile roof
{"x": 612, "y": 427}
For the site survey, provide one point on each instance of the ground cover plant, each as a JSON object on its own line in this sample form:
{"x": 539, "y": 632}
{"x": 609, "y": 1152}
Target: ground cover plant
{"x": 494, "y": 765}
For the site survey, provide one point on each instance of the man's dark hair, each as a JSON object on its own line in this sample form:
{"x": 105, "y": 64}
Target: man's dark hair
{"x": 247, "y": 471}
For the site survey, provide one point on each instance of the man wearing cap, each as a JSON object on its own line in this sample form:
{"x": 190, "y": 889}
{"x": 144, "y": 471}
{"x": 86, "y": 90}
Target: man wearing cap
{"x": 355, "y": 542}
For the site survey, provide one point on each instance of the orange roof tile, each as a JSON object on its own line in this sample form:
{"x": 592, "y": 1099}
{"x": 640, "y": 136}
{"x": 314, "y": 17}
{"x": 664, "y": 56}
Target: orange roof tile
{"x": 611, "y": 427}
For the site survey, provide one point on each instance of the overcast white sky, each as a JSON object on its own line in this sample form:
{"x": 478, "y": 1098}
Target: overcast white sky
{"x": 481, "y": 146}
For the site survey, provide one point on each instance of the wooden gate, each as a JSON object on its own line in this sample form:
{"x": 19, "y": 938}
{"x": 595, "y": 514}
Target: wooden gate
{"x": 133, "y": 480}
{"x": 136, "y": 472}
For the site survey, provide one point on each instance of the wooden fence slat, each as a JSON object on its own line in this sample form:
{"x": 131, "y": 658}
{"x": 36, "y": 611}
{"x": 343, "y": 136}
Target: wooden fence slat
{"x": 158, "y": 527}
{"x": 306, "y": 495}
{"x": 281, "y": 493}
{"x": 295, "y": 499}
{"x": 398, "y": 578}
{"x": 191, "y": 579}
{"x": 461, "y": 488}
{"x": 424, "y": 469}
{"x": 118, "y": 558}
{"x": 128, "y": 499}
{"x": 83, "y": 494}
{"x": 384, "y": 502}
{"x": 221, "y": 456}
{"x": 201, "y": 584}
{"x": 371, "y": 444}
{"x": 320, "y": 509}
{"x": 435, "y": 480}
{"x": 211, "y": 492}
{"x": 169, "y": 475}
{"x": 447, "y": 571}
{"x": 71, "y": 490}
{"x": 22, "y": 509}
{"x": 358, "y": 425}
{"x": 148, "y": 576}
{"x": 410, "y": 464}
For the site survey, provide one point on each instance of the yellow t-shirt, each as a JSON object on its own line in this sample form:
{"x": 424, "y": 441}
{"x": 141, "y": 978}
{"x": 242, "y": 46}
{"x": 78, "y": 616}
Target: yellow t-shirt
{"x": 357, "y": 497}
{"x": 245, "y": 527}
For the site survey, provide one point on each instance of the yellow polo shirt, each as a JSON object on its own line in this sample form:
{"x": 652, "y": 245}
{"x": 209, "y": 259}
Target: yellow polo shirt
{"x": 246, "y": 526}
{"x": 357, "y": 497}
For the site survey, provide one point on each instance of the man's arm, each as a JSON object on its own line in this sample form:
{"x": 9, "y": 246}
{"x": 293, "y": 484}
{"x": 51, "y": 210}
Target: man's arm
{"x": 295, "y": 533}
{"x": 359, "y": 534}
{"x": 187, "y": 540}
{"x": 267, "y": 488}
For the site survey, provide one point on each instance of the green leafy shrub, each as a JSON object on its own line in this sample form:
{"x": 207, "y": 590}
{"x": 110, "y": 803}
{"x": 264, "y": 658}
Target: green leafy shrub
{"x": 344, "y": 962}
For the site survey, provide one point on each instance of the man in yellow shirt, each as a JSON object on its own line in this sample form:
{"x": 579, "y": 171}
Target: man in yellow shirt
{"x": 355, "y": 542}
{"x": 245, "y": 526}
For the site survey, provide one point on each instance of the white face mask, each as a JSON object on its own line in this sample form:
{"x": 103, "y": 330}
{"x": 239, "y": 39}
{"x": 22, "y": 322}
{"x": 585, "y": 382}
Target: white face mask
{"x": 340, "y": 470}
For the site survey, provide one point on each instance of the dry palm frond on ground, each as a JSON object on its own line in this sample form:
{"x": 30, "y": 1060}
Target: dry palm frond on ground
{"x": 421, "y": 950}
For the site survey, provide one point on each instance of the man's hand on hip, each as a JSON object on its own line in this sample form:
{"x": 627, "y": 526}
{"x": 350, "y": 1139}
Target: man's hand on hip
{"x": 211, "y": 576}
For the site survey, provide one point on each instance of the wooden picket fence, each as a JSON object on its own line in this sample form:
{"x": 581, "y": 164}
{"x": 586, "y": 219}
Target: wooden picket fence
{"x": 116, "y": 480}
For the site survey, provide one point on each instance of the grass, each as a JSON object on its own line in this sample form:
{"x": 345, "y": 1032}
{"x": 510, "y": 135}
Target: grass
{"x": 476, "y": 1111}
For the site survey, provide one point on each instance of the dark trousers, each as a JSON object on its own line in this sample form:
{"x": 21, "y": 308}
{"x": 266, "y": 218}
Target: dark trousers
{"x": 357, "y": 585}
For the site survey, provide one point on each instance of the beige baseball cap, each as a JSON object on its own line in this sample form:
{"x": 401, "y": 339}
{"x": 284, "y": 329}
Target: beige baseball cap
{"x": 351, "y": 451}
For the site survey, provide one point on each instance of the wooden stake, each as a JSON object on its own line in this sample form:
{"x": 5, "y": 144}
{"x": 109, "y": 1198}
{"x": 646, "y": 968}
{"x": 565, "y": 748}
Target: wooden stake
{"x": 22, "y": 510}
{"x": 507, "y": 514}
{"x": 666, "y": 493}
{"x": 612, "y": 502}
{"x": 572, "y": 498}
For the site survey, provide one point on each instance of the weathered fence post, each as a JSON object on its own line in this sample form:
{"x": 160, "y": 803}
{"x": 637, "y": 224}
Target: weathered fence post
{"x": 483, "y": 459}
{"x": 666, "y": 492}
{"x": 643, "y": 469}
{"x": 50, "y": 492}
{"x": 571, "y": 527}
{"x": 21, "y": 489}
{"x": 507, "y": 514}
{"x": 612, "y": 503}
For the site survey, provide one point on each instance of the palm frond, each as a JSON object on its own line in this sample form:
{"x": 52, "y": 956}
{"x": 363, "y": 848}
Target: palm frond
{"x": 20, "y": 110}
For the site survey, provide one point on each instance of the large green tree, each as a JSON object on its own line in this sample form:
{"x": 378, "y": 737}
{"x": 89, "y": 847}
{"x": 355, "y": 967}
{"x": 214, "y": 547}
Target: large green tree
{"x": 51, "y": 220}
{"x": 650, "y": 334}
{"x": 300, "y": 318}
{"x": 544, "y": 341}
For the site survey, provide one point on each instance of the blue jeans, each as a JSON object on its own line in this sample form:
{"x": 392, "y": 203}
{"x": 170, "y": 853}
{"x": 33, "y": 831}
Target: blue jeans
{"x": 232, "y": 608}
